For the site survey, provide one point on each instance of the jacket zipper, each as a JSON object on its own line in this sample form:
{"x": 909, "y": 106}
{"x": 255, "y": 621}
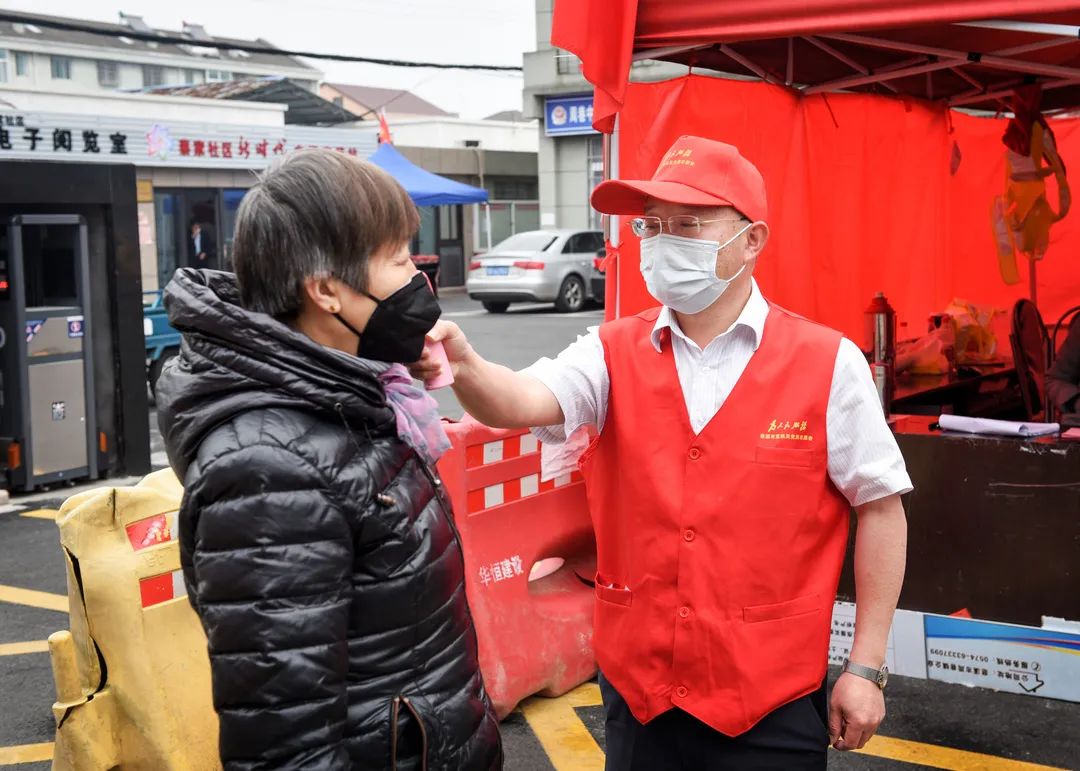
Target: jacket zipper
{"x": 423, "y": 733}
{"x": 394, "y": 713}
{"x": 438, "y": 487}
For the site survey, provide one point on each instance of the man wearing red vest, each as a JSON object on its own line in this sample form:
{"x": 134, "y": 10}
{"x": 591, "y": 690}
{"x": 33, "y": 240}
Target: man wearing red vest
{"x": 734, "y": 437}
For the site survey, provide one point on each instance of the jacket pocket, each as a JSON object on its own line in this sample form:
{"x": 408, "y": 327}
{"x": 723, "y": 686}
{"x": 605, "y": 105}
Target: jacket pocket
{"x": 616, "y": 595}
{"x": 785, "y": 456}
{"x": 754, "y": 614}
{"x": 408, "y": 736}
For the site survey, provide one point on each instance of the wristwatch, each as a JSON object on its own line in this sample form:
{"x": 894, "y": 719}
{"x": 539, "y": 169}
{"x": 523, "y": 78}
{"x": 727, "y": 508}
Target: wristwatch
{"x": 879, "y": 677}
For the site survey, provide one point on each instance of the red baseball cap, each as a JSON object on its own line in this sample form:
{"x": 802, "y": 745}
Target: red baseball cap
{"x": 695, "y": 171}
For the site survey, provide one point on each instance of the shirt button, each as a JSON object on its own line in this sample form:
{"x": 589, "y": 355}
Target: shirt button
{"x": 688, "y": 535}
{"x": 684, "y": 612}
{"x": 695, "y": 453}
{"x": 681, "y": 691}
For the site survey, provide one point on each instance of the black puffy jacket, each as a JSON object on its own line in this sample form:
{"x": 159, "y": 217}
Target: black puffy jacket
{"x": 318, "y": 550}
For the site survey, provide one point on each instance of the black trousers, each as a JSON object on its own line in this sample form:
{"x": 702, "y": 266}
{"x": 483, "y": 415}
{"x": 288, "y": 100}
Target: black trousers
{"x": 794, "y": 737}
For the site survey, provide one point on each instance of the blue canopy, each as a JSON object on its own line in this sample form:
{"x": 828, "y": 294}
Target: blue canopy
{"x": 425, "y": 188}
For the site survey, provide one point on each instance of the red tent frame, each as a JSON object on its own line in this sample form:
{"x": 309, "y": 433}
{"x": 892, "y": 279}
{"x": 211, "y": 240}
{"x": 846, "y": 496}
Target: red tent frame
{"x": 961, "y": 53}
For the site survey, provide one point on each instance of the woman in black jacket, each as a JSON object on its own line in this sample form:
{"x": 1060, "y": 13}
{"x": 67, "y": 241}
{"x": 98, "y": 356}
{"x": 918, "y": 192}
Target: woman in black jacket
{"x": 316, "y": 540}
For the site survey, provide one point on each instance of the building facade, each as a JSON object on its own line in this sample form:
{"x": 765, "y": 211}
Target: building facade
{"x": 499, "y": 156}
{"x": 194, "y": 159}
{"x": 570, "y": 158}
{"x": 367, "y": 101}
{"x": 38, "y": 57}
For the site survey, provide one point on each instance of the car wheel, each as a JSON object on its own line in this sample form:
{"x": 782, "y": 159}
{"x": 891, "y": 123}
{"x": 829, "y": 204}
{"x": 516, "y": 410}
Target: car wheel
{"x": 571, "y": 295}
{"x": 157, "y": 366}
{"x": 496, "y": 307}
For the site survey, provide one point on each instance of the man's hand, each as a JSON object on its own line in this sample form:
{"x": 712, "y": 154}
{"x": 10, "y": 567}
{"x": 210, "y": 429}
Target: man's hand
{"x": 454, "y": 343}
{"x": 856, "y": 710}
{"x": 492, "y": 394}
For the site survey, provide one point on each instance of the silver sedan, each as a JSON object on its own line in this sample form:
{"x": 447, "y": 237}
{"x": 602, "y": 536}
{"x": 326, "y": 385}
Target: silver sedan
{"x": 536, "y": 266}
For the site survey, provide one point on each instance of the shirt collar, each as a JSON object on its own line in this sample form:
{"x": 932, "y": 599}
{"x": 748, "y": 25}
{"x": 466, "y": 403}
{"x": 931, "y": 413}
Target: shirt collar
{"x": 752, "y": 317}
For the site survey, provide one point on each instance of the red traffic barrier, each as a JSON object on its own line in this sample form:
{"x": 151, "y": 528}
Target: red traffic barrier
{"x": 530, "y": 558}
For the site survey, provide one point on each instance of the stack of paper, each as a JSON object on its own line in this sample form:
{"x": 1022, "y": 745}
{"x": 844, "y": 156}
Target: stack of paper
{"x": 996, "y": 427}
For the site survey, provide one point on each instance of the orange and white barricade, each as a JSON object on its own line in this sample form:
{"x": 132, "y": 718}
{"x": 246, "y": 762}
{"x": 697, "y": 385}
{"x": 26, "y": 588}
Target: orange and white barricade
{"x": 530, "y": 557}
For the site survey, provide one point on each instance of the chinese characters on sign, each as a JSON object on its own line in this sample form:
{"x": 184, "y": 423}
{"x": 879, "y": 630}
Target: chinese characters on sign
{"x": 77, "y": 137}
{"x": 62, "y": 139}
{"x": 243, "y": 148}
{"x": 501, "y": 571}
{"x": 565, "y": 116}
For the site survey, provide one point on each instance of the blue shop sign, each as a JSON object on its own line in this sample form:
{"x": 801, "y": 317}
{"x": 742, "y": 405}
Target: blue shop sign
{"x": 568, "y": 115}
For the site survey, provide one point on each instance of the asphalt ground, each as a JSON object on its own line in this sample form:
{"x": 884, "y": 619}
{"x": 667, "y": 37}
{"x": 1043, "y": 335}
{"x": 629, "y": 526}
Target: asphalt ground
{"x": 930, "y": 724}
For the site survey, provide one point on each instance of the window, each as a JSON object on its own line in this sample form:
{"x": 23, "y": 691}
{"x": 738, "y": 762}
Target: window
{"x": 61, "y": 68}
{"x": 566, "y": 63}
{"x": 191, "y": 77}
{"x": 511, "y": 189}
{"x": 448, "y": 223}
{"x": 22, "y": 64}
{"x": 108, "y": 74}
{"x": 217, "y": 76}
{"x": 153, "y": 75}
{"x": 533, "y": 241}
{"x": 595, "y": 171}
{"x": 3, "y": 66}
{"x": 584, "y": 243}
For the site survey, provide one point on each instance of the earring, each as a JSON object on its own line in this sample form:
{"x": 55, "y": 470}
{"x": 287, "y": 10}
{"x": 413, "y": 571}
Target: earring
{"x": 334, "y": 309}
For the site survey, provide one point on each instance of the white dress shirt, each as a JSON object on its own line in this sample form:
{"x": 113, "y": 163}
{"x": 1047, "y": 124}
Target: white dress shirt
{"x": 865, "y": 462}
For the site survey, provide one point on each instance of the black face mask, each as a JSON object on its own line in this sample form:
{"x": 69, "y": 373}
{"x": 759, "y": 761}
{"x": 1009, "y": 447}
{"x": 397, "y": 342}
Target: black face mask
{"x": 396, "y": 331}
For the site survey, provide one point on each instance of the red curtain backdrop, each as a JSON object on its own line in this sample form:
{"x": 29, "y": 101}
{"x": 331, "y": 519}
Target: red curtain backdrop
{"x": 861, "y": 198}
{"x": 605, "y": 33}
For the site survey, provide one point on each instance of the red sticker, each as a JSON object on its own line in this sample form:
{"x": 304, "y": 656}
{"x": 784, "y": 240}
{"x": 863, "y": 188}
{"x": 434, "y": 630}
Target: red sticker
{"x": 149, "y": 532}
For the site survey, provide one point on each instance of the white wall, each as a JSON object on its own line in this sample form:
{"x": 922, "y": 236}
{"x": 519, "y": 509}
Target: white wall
{"x": 451, "y": 133}
{"x": 564, "y": 180}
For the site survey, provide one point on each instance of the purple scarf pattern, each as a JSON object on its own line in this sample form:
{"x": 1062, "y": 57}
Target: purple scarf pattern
{"x": 418, "y": 421}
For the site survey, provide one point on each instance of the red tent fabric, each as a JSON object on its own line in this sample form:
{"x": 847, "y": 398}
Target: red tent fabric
{"x": 604, "y": 34}
{"x": 862, "y": 198}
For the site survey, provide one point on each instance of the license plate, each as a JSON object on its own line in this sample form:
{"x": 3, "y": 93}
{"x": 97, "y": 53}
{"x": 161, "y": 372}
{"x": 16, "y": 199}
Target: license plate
{"x": 499, "y": 271}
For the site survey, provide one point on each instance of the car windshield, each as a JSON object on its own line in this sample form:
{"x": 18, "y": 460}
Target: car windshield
{"x": 533, "y": 241}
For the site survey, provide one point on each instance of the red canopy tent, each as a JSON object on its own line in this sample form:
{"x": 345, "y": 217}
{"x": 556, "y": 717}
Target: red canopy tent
{"x": 853, "y": 130}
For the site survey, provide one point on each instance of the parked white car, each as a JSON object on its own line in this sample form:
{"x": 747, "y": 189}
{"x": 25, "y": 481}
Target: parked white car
{"x": 536, "y": 266}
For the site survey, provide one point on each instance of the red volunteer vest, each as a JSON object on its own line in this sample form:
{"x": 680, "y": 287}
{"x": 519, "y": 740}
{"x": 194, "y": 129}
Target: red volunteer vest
{"x": 718, "y": 555}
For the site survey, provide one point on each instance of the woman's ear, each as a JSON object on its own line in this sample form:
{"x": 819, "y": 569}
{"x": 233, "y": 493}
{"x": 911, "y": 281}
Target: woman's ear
{"x": 323, "y": 293}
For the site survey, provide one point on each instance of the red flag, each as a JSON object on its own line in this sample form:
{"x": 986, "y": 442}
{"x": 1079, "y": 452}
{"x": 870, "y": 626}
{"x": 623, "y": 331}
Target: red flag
{"x": 384, "y": 129}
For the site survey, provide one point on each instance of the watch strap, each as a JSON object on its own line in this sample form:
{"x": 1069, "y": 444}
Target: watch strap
{"x": 867, "y": 673}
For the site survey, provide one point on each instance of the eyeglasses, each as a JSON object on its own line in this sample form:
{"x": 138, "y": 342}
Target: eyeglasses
{"x": 685, "y": 225}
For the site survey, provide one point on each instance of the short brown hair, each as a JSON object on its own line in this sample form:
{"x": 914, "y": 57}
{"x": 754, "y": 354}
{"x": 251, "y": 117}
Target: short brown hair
{"x": 315, "y": 212}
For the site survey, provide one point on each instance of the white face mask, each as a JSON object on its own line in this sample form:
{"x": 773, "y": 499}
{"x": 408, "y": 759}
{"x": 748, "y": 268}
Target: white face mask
{"x": 681, "y": 272}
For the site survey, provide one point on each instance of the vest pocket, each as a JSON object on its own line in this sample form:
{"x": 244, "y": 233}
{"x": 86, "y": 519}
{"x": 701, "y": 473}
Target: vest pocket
{"x": 616, "y": 595}
{"x": 785, "y": 456}
{"x": 753, "y": 614}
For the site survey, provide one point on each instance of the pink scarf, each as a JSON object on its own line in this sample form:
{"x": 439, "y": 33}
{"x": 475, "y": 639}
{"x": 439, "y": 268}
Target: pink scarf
{"x": 418, "y": 421}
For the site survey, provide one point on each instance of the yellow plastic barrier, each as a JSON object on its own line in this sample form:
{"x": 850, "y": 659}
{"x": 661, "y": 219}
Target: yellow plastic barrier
{"x": 132, "y": 675}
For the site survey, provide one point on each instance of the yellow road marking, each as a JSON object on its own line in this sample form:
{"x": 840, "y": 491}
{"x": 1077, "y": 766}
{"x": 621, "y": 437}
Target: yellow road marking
{"x": 565, "y": 739}
{"x": 585, "y": 695}
{"x": 15, "y": 649}
{"x": 944, "y": 757}
{"x": 26, "y": 753}
{"x": 41, "y": 514}
{"x": 34, "y": 599}
{"x": 571, "y": 747}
